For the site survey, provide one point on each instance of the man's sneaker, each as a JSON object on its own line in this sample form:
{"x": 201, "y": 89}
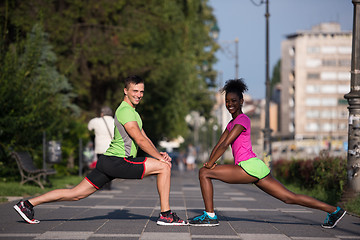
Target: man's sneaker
{"x": 26, "y": 212}
{"x": 171, "y": 219}
{"x": 333, "y": 218}
{"x": 204, "y": 221}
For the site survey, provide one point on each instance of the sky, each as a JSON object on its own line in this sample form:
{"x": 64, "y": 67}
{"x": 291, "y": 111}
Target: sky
{"x": 244, "y": 20}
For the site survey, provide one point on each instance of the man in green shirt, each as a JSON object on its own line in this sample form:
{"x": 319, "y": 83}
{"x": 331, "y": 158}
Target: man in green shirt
{"x": 120, "y": 161}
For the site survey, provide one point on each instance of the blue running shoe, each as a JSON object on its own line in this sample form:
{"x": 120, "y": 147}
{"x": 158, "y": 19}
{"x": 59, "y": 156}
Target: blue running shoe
{"x": 333, "y": 218}
{"x": 204, "y": 221}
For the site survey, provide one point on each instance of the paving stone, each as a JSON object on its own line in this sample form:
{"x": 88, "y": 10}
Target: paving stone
{"x": 130, "y": 211}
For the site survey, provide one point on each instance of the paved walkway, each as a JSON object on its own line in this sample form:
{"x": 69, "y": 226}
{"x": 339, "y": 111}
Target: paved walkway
{"x": 130, "y": 209}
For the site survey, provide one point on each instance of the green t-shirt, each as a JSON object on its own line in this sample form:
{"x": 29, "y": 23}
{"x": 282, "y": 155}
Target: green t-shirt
{"x": 123, "y": 145}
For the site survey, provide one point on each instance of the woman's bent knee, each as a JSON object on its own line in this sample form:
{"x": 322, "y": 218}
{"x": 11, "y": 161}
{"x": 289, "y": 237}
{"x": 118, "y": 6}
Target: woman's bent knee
{"x": 203, "y": 172}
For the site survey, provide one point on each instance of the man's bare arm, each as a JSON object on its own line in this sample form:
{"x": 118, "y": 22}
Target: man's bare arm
{"x": 132, "y": 128}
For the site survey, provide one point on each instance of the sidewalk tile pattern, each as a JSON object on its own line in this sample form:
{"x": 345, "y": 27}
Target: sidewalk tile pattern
{"x": 129, "y": 211}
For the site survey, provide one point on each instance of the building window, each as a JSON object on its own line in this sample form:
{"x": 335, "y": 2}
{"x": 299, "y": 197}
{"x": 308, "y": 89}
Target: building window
{"x": 313, "y": 50}
{"x": 328, "y": 114}
{"x": 313, "y": 76}
{"x": 344, "y": 76}
{"x": 291, "y": 102}
{"x": 344, "y": 50}
{"x": 329, "y": 102}
{"x": 312, "y": 63}
{"x": 328, "y": 76}
{"x": 329, "y": 62}
{"x": 343, "y": 89}
{"x": 312, "y": 114}
{"x": 345, "y": 62}
{"x": 291, "y": 51}
{"x": 327, "y": 127}
{"x": 312, "y": 89}
{"x": 343, "y": 126}
{"x": 313, "y": 102}
{"x": 291, "y": 127}
{"x": 344, "y": 114}
{"x": 328, "y": 89}
{"x": 328, "y": 49}
{"x": 312, "y": 127}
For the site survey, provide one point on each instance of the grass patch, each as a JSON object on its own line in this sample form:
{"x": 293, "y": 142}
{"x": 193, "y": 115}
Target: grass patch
{"x": 354, "y": 205}
{"x": 331, "y": 198}
{"x": 31, "y": 189}
{"x": 317, "y": 192}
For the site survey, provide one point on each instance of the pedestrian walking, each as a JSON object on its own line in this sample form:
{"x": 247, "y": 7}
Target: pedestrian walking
{"x": 191, "y": 157}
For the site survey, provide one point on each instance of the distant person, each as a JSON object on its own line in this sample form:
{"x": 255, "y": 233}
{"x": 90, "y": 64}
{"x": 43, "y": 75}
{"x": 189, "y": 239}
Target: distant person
{"x": 119, "y": 161}
{"x": 181, "y": 160}
{"x": 191, "y": 157}
{"x": 103, "y": 127}
{"x": 248, "y": 168}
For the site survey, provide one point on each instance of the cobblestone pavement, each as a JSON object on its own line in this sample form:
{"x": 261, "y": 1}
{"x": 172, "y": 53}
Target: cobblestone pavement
{"x": 130, "y": 210}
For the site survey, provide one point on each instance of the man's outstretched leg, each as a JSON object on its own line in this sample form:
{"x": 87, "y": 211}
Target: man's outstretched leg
{"x": 163, "y": 172}
{"x": 25, "y": 208}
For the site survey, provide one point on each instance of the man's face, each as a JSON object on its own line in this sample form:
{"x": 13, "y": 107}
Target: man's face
{"x": 134, "y": 93}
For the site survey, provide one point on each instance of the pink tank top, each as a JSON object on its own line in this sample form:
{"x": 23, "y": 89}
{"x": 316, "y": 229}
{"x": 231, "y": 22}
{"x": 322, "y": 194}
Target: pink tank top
{"x": 241, "y": 147}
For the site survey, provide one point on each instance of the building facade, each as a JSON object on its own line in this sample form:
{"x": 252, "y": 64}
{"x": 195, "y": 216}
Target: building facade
{"x": 315, "y": 76}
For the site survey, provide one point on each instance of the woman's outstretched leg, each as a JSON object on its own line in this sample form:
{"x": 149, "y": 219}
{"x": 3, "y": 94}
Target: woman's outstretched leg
{"x": 273, "y": 187}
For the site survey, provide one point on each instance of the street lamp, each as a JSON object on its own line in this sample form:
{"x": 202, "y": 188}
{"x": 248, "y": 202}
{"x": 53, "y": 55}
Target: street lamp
{"x": 353, "y": 98}
{"x": 267, "y": 130}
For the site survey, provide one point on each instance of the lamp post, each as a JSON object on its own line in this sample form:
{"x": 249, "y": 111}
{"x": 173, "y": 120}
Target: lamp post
{"x": 267, "y": 131}
{"x": 353, "y": 98}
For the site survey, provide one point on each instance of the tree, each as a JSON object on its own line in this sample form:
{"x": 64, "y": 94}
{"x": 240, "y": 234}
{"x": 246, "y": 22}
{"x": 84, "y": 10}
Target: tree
{"x": 34, "y": 97}
{"x": 276, "y": 76}
{"x": 99, "y": 43}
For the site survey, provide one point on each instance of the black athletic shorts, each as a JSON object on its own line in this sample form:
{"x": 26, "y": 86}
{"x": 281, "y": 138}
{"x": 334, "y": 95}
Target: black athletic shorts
{"x": 111, "y": 167}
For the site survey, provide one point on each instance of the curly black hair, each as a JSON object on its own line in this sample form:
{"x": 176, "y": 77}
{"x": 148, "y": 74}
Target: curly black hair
{"x": 235, "y": 86}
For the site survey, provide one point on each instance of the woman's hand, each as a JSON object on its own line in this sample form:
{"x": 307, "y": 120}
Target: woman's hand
{"x": 206, "y": 165}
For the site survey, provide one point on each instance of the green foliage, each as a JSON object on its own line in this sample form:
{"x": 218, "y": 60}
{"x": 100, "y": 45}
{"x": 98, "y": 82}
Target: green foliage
{"x": 57, "y": 55}
{"x": 276, "y": 76}
{"x": 98, "y": 43}
{"x": 354, "y": 205}
{"x": 328, "y": 174}
{"x": 34, "y": 96}
{"x": 31, "y": 189}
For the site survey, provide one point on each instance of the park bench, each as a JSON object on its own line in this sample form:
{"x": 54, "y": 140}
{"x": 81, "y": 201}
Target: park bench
{"x": 28, "y": 171}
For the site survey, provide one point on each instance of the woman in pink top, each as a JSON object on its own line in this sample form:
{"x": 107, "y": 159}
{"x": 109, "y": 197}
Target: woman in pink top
{"x": 247, "y": 168}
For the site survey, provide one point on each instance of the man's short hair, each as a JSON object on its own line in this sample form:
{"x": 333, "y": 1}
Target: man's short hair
{"x": 133, "y": 79}
{"x": 106, "y": 111}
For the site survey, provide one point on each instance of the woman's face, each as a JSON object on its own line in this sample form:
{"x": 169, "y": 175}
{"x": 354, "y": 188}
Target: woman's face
{"x": 233, "y": 103}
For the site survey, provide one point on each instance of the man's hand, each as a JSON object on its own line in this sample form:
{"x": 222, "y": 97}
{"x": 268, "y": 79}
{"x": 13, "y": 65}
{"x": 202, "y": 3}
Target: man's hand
{"x": 166, "y": 162}
{"x": 165, "y": 156}
{"x": 206, "y": 165}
